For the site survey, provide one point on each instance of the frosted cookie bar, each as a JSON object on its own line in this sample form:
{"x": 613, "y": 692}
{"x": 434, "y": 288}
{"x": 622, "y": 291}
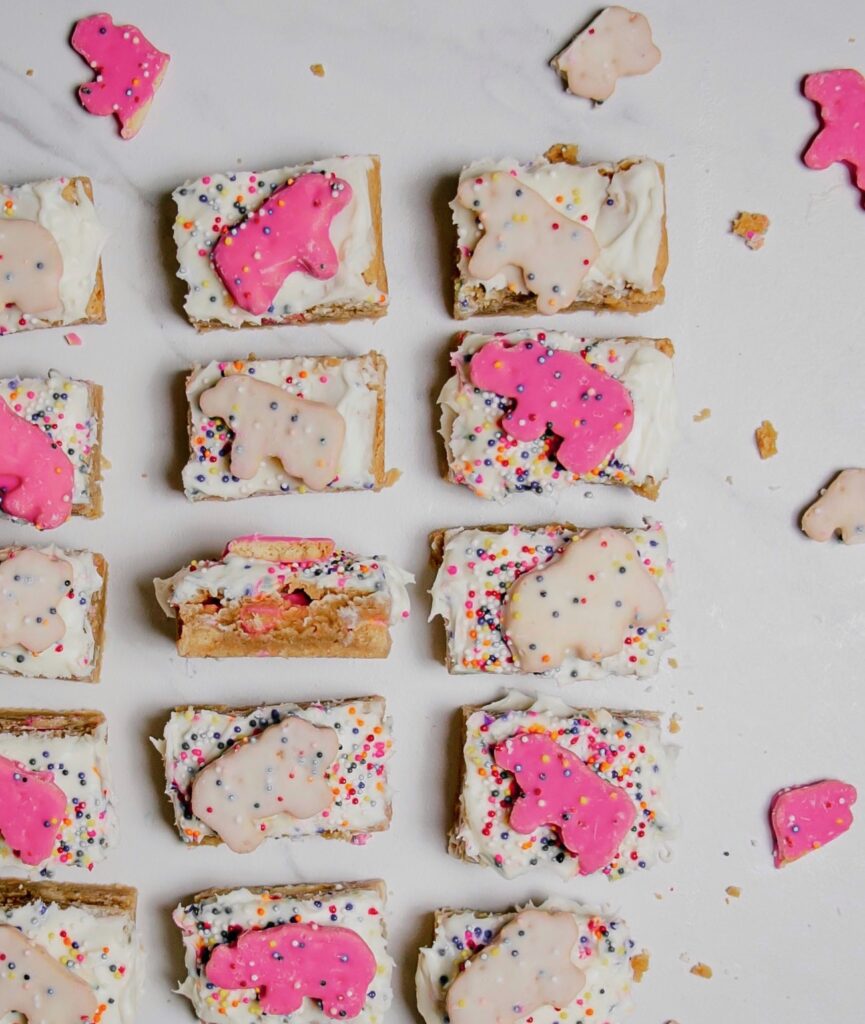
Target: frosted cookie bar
{"x": 553, "y": 235}
{"x": 542, "y": 410}
{"x": 312, "y": 952}
{"x": 242, "y": 775}
{"x": 286, "y": 246}
{"x": 555, "y": 598}
{"x": 288, "y": 597}
{"x": 579, "y": 791}
{"x": 282, "y": 426}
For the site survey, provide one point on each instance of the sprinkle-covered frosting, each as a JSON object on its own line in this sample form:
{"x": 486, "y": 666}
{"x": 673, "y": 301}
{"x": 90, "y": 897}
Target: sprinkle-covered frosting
{"x": 625, "y": 750}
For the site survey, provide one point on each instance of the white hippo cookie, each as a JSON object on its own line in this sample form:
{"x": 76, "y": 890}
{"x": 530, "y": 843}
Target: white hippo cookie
{"x": 30, "y": 267}
{"x": 32, "y": 586}
{"x": 839, "y": 509}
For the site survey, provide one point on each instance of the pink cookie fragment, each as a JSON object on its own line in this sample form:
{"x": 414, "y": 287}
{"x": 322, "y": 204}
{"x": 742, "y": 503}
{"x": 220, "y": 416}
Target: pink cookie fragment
{"x": 72, "y": 338}
{"x": 804, "y": 818}
{"x": 840, "y": 95}
{"x": 32, "y": 807}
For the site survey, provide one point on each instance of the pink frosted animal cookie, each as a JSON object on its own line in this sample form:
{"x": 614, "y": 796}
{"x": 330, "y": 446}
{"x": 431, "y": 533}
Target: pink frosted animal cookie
{"x": 522, "y": 230}
{"x": 839, "y": 509}
{"x": 291, "y": 961}
{"x": 32, "y": 585}
{"x": 804, "y": 818}
{"x": 558, "y": 789}
{"x": 38, "y": 986}
{"x": 129, "y": 69}
{"x": 287, "y": 234}
{"x": 30, "y": 267}
{"x": 32, "y": 808}
{"x": 617, "y": 43}
{"x": 841, "y": 97}
{"x": 591, "y": 411}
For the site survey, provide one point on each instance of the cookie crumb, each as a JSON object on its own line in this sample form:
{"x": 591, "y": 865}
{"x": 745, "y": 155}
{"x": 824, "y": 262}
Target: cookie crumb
{"x": 766, "y": 437}
{"x": 29, "y": 72}
{"x": 703, "y": 414}
{"x": 72, "y": 338}
{"x": 675, "y": 723}
{"x": 673, "y": 662}
{"x": 734, "y": 891}
{"x": 317, "y": 70}
{"x": 729, "y": 480}
{"x": 752, "y": 227}
{"x": 701, "y": 970}
{"x": 639, "y": 965}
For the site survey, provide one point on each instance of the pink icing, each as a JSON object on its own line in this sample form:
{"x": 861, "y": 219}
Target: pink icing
{"x": 590, "y": 410}
{"x": 128, "y": 67}
{"x": 558, "y": 789}
{"x": 804, "y": 818}
{"x": 36, "y": 477}
{"x": 31, "y": 811}
{"x": 289, "y": 232}
{"x": 291, "y": 961}
{"x": 841, "y": 98}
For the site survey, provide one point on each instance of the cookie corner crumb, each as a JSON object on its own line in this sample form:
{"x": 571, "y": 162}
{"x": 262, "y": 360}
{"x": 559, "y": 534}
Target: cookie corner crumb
{"x": 766, "y": 437}
{"x": 751, "y": 227}
{"x": 703, "y": 414}
{"x": 639, "y": 965}
{"x": 701, "y": 970}
{"x": 317, "y": 70}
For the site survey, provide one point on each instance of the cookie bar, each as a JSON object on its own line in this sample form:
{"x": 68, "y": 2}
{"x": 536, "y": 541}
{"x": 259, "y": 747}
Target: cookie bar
{"x": 331, "y": 780}
{"x": 292, "y": 245}
{"x": 555, "y": 598}
{"x": 50, "y": 449}
{"x": 82, "y": 952}
{"x": 287, "y": 597}
{"x": 540, "y": 411}
{"x": 57, "y": 807}
{"x": 282, "y": 426}
{"x": 51, "y": 243}
{"x": 52, "y": 624}
{"x": 553, "y": 235}
{"x": 548, "y": 785}
{"x": 575, "y": 964}
{"x": 315, "y": 952}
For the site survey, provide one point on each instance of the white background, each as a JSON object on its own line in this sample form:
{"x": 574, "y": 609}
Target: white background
{"x": 770, "y": 627}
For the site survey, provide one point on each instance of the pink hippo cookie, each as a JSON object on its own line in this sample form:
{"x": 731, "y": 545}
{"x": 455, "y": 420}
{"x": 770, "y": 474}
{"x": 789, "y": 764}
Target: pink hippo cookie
{"x": 841, "y": 98}
{"x": 522, "y": 230}
{"x": 31, "y": 811}
{"x": 591, "y": 411}
{"x": 328, "y": 964}
{"x": 591, "y": 815}
{"x": 287, "y": 234}
{"x": 30, "y": 267}
{"x": 37, "y": 985}
{"x": 129, "y": 69}
{"x": 306, "y": 436}
{"x": 36, "y": 476}
{"x": 32, "y": 585}
{"x": 804, "y": 818}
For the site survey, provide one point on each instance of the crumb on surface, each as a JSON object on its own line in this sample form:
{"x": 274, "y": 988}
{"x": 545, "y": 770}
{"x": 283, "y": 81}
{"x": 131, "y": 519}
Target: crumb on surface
{"x": 29, "y": 72}
{"x": 766, "y": 437}
{"x": 639, "y": 965}
{"x": 675, "y": 723}
{"x": 752, "y": 227}
{"x": 729, "y": 480}
{"x": 734, "y": 891}
{"x": 701, "y": 970}
{"x": 703, "y": 414}
{"x": 317, "y": 70}
{"x": 72, "y": 338}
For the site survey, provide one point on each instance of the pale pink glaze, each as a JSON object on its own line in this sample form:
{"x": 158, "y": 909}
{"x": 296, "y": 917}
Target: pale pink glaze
{"x": 804, "y": 818}
{"x": 590, "y": 410}
{"x": 129, "y": 70}
{"x": 841, "y": 97}
{"x": 289, "y": 232}
{"x": 31, "y": 811}
{"x": 36, "y": 477}
{"x": 558, "y": 789}
{"x": 321, "y": 962}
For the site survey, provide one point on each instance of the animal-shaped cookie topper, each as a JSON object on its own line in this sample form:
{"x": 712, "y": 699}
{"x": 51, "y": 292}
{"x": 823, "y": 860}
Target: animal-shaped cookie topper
{"x": 804, "y": 818}
{"x": 283, "y": 770}
{"x": 841, "y": 97}
{"x": 839, "y": 509}
{"x": 529, "y": 965}
{"x": 32, "y": 586}
{"x": 32, "y": 808}
{"x": 307, "y": 437}
{"x": 591, "y": 815}
{"x": 588, "y": 409}
{"x": 290, "y": 962}
{"x": 30, "y": 267}
{"x": 522, "y": 230}
{"x": 288, "y": 234}
{"x": 582, "y": 603}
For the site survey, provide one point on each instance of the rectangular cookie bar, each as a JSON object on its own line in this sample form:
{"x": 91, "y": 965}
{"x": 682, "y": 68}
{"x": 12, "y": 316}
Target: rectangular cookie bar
{"x": 287, "y": 597}
{"x": 330, "y": 780}
{"x": 548, "y": 785}
{"x": 50, "y": 449}
{"x": 68, "y": 817}
{"x": 553, "y": 235}
{"x": 292, "y": 245}
{"x": 52, "y": 624}
{"x": 314, "y": 952}
{"x": 542, "y": 410}
{"x": 82, "y": 951}
{"x": 51, "y": 242}
{"x": 554, "y": 598}
{"x": 575, "y": 964}
{"x": 282, "y": 426}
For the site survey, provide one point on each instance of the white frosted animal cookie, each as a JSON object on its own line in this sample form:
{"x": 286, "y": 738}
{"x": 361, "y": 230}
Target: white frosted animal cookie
{"x": 32, "y": 586}
{"x": 32, "y": 267}
{"x": 839, "y": 509}
{"x": 616, "y": 44}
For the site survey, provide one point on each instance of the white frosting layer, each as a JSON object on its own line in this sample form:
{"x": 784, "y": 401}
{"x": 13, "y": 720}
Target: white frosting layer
{"x": 80, "y": 237}
{"x": 471, "y": 419}
{"x": 198, "y": 224}
{"x": 206, "y": 925}
{"x": 604, "y": 957}
{"x": 487, "y": 564}
{"x": 349, "y": 386}
{"x": 74, "y": 656}
{"x": 107, "y": 952}
{"x": 623, "y": 208}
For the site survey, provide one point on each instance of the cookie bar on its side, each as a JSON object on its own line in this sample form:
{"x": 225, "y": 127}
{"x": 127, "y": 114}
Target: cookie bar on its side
{"x": 315, "y": 952}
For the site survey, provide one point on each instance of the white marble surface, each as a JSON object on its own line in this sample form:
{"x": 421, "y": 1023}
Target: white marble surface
{"x": 770, "y": 627}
